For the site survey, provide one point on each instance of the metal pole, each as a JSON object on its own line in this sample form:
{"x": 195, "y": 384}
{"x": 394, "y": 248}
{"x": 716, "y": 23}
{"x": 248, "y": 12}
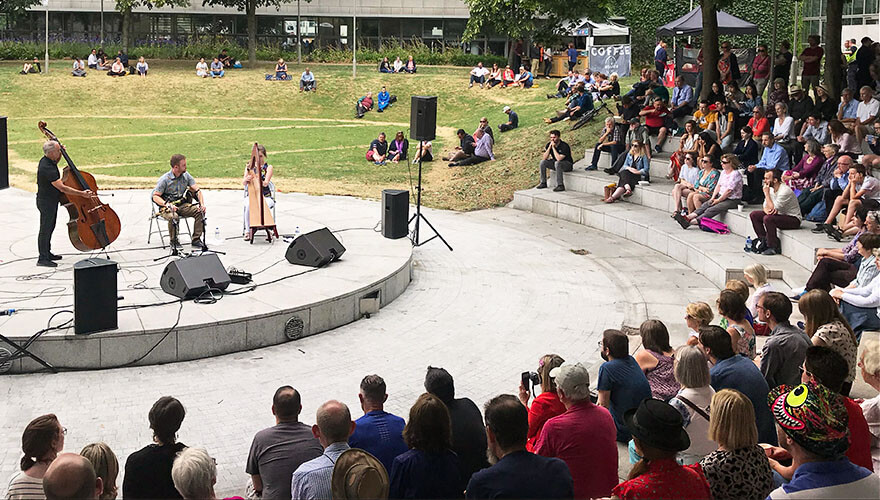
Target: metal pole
{"x": 795, "y": 48}
{"x": 354, "y": 44}
{"x": 46, "y": 67}
{"x": 299, "y": 52}
{"x": 102, "y": 24}
{"x": 773, "y": 47}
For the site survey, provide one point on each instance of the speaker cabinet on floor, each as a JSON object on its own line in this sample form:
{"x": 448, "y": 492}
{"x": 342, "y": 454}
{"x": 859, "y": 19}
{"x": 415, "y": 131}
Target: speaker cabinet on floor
{"x": 315, "y": 249}
{"x": 395, "y": 213}
{"x": 423, "y": 118}
{"x": 190, "y": 277}
{"x": 94, "y": 296}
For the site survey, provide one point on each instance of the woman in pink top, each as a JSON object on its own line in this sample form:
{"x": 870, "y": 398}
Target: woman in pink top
{"x": 761, "y": 69}
{"x": 545, "y": 405}
{"x": 804, "y": 173}
{"x": 841, "y": 136}
{"x": 655, "y": 359}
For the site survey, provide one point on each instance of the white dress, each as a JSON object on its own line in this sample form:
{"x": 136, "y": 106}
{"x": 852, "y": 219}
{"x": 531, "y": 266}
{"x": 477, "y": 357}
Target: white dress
{"x": 202, "y": 69}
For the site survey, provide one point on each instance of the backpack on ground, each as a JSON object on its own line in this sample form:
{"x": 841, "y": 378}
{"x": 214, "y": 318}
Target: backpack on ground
{"x": 713, "y": 226}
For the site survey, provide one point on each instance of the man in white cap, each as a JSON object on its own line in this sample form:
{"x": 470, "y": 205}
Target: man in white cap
{"x": 583, "y": 437}
{"x": 512, "y": 120}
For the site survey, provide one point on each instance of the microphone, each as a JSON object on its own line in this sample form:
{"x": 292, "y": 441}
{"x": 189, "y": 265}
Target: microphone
{"x": 7, "y": 312}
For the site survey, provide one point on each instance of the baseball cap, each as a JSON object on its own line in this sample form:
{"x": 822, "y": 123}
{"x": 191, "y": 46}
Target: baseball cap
{"x": 635, "y": 120}
{"x": 813, "y": 416}
{"x": 506, "y": 109}
{"x": 573, "y": 378}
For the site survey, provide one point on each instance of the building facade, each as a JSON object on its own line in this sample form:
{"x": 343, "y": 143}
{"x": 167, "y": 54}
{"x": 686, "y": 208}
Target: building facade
{"x": 861, "y": 18}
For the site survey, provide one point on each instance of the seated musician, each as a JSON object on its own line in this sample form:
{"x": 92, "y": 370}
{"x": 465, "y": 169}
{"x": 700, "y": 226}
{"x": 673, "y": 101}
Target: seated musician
{"x": 170, "y": 195}
{"x": 266, "y": 177}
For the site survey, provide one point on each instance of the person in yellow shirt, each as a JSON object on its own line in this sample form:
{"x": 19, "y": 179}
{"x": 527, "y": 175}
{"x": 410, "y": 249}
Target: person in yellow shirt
{"x": 707, "y": 119}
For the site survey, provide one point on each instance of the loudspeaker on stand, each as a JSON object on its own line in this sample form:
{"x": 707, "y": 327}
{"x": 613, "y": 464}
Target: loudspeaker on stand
{"x": 423, "y": 118}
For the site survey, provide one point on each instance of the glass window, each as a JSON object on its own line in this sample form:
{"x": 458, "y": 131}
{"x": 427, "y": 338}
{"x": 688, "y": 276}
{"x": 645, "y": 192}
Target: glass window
{"x": 411, "y": 28}
{"x": 871, "y": 7}
{"x": 389, "y": 28}
{"x": 454, "y": 28}
{"x": 268, "y": 25}
{"x": 433, "y": 28}
{"x": 368, "y": 27}
{"x": 184, "y": 24}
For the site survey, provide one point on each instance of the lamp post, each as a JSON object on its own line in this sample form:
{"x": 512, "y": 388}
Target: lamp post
{"x": 46, "y": 66}
{"x": 299, "y": 54}
{"x": 102, "y": 24}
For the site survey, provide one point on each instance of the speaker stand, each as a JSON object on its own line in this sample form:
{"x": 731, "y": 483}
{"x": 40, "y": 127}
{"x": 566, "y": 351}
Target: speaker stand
{"x": 21, "y": 352}
{"x": 419, "y": 216}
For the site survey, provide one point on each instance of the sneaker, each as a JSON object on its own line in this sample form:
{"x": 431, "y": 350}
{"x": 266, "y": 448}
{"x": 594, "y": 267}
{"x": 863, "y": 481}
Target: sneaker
{"x": 820, "y": 228}
{"x": 559, "y": 188}
{"x": 682, "y": 221}
{"x": 834, "y": 232}
{"x": 591, "y": 168}
{"x": 550, "y": 96}
{"x": 658, "y": 148}
{"x": 46, "y": 263}
{"x": 542, "y": 185}
{"x": 796, "y": 297}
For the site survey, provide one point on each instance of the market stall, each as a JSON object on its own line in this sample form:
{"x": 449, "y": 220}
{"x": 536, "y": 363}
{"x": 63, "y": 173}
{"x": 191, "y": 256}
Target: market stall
{"x": 602, "y": 47}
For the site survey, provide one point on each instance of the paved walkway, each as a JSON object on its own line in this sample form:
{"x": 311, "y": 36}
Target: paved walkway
{"x": 512, "y": 290}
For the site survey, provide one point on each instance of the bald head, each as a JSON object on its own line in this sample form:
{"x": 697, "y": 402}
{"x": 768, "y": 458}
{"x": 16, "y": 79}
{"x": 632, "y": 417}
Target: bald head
{"x": 71, "y": 476}
{"x": 334, "y": 423}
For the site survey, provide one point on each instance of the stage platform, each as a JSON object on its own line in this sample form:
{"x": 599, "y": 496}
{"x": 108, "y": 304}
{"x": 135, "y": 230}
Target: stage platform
{"x": 284, "y": 305}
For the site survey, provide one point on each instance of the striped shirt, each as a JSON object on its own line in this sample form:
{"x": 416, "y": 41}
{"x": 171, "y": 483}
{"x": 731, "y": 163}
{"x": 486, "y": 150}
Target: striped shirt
{"x": 311, "y": 481}
{"x": 23, "y": 487}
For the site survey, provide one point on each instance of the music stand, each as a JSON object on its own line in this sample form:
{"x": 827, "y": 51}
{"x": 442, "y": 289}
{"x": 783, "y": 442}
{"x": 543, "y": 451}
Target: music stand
{"x": 423, "y": 125}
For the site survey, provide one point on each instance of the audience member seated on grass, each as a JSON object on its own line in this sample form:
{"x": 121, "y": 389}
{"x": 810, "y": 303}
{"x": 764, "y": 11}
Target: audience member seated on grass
{"x": 803, "y": 175}
{"x": 812, "y": 422}
{"x": 102, "y": 61}
{"x": 494, "y": 77}
{"x": 333, "y": 427}
{"x": 738, "y": 469}
{"x": 281, "y": 70}
{"x": 202, "y": 68}
{"x": 687, "y": 181}
{"x": 692, "y": 401}
{"x": 31, "y": 67}
{"x": 512, "y": 120}
{"x": 611, "y": 141}
{"x": 225, "y": 59}
{"x": 485, "y": 127}
{"x": 430, "y": 468}
{"x": 610, "y": 88}
{"x": 731, "y": 371}
{"x": 106, "y": 467}
{"x": 363, "y": 105}
{"x": 635, "y": 168}
{"x": 727, "y": 194}
{"x": 545, "y": 405}
{"x": 780, "y": 211}
{"x": 482, "y": 150}
{"x": 859, "y": 305}
{"x": 307, "y": 81}
{"x": 867, "y": 113}
{"x": 478, "y": 75}
{"x": 862, "y": 190}
{"x": 92, "y": 60}
{"x": 779, "y": 94}
{"x": 682, "y": 95}
{"x": 656, "y": 118}
{"x": 635, "y": 132}
{"x": 697, "y": 315}
{"x": 277, "y": 451}
{"x": 79, "y": 67}
{"x": 758, "y": 122}
{"x": 424, "y": 152}
{"x": 148, "y": 470}
{"x": 524, "y": 79}
{"x": 194, "y": 473}
{"x": 398, "y": 65}
{"x": 656, "y": 359}
{"x": 507, "y": 77}
{"x": 557, "y": 156}
{"x": 468, "y": 432}
{"x": 746, "y": 150}
{"x": 846, "y": 111}
{"x": 217, "y": 70}
{"x": 385, "y": 66}
{"x": 71, "y": 477}
{"x": 843, "y": 137}
{"x": 869, "y": 362}
{"x": 774, "y": 157}
{"x": 687, "y": 144}
{"x": 398, "y": 149}
{"x": 41, "y": 441}
{"x": 579, "y": 103}
{"x": 564, "y": 86}
{"x": 409, "y": 66}
{"x": 583, "y": 436}
{"x": 825, "y": 105}
{"x": 142, "y": 67}
{"x": 622, "y": 383}
{"x": 378, "y": 432}
{"x": 465, "y": 148}
{"x": 826, "y": 326}
{"x": 378, "y": 152}
{"x": 658, "y": 437}
{"x": 784, "y": 351}
{"x": 733, "y": 311}
{"x": 515, "y": 472}
{"x": 117, "y": 69}
{"x": 705, "y": 185}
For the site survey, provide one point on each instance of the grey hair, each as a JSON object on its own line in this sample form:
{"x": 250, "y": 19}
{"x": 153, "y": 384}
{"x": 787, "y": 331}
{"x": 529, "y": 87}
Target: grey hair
{"x": 609, "y": 119}
{"x": 875, "y": 216}
{"x": 869, "y": 89}
{"x": 691, "y": 368}
{"x": 194, "y": 473}
{"x": 49, "y": 146}
{"x": 784, "y": 106}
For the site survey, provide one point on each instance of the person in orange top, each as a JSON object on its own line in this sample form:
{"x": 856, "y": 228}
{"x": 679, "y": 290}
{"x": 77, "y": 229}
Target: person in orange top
{"x": 758, "y": 122}
{"x": 545, "y": 405}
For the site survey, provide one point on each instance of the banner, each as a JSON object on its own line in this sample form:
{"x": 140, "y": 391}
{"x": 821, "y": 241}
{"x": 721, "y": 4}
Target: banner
{"x": 611, "y": 59}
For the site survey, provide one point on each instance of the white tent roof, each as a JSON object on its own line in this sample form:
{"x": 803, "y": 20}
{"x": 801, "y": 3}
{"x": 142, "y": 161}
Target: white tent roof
{"x": 585, "y": 27}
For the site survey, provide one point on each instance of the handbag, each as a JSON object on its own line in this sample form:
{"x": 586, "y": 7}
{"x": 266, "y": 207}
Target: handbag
{"x": 713, "y": 226}
{"x": 703, "y": 413}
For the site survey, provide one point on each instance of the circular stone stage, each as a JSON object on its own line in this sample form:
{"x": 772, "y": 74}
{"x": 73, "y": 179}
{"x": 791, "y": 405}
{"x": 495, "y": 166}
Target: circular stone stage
{"x": 289, "y": 301}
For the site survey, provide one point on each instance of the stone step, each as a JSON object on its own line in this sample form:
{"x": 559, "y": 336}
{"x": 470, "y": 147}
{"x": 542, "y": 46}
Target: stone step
{"x": 718, "y": 257}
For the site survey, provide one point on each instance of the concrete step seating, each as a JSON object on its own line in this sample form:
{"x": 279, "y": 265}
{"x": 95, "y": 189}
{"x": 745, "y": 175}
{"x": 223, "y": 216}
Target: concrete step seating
{"x": 645, "y": 218}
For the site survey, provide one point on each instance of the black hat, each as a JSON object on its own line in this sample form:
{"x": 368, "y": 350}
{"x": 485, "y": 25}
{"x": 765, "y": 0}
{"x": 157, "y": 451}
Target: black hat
{"x": 657, "y": 424}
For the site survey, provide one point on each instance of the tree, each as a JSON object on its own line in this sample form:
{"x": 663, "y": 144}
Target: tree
{"x": 16, "y": 7}
{"x": 250, "y": 9}
{"x": 125, "y": 7}
{"x": 833, "y": 13}
{"x": 710, "y": 45}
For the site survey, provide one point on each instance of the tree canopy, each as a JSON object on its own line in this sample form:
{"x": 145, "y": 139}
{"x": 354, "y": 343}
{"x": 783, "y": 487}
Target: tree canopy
{"x": 537, "y": 19}
{"x": 16, "y": 7}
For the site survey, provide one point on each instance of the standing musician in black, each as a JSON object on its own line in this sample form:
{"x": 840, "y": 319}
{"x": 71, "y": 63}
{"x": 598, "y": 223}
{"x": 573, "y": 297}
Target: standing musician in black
{"x": 49, "y": 191}
{"x": 173, "y": 195}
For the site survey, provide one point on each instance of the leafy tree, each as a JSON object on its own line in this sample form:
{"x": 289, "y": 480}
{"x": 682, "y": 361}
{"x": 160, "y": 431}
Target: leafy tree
{"x": 710, "y": 44}
{"x": 833, "y": 13}
{"x": 250, "y": 9}
{"x": 125, "y": 7}
{"x": 15, "y": 8}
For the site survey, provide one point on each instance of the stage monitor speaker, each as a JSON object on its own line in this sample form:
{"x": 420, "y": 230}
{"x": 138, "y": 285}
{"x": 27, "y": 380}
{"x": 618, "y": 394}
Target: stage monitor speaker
{"x": 395, "y": 213}
{"x": 94, "y": 296}
{"x": 192, "y": 276}
{"x": 315, "y": 249}
{"x": 423, "y": 118}
{"x": 4, "y": 155}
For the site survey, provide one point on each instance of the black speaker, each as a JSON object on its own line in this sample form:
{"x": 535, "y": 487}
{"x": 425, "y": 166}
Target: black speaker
{"x": 190, "y": 277}
{"x": 395, "y": 213}
{"x": 315, "y": 249}
{"x": 94, "y": 296}
{"x": 4, "y": 155}
{"x": 423, "y": 118}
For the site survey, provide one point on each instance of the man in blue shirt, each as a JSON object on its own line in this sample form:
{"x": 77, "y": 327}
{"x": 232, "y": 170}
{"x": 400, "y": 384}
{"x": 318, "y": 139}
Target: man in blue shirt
{"x": 848, "y": 109}
{"x": 838, "y": 184}
{"x": 732, "y": 371}
{"x": 516, "y": 473}
{"x": 774, "y": 156}
{"x": 622, "y": 384}
{"x": 383, "y": 100}
{"x": 682, "y": 94}
{"x": 311, "y": 480}
{"x": 572, "y": 56}
{"x": 378, "y": 431}
{"x": 512, "y": 120}
{"x": 660, "y": 58}
{"x": 307, "y": 81}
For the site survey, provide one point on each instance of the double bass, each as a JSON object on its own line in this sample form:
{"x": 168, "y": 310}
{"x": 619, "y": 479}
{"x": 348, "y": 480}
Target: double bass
{"x": 93, "y": 225}
{"x": 259, "y": 214}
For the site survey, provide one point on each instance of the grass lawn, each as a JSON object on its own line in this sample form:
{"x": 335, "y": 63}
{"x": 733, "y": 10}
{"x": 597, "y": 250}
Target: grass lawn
{"x": 124, "y": 130}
